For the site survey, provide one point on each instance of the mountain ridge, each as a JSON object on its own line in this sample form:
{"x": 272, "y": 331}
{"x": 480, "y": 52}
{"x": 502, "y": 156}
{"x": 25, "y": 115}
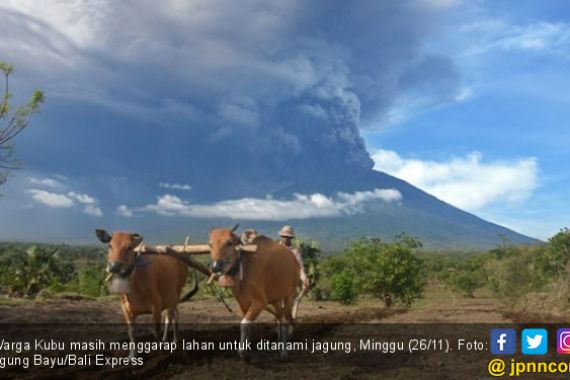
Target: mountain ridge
{"x": 436, "y": 223}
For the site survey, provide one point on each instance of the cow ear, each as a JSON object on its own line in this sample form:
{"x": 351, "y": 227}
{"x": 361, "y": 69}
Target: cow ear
{"x": 137, "y": 239}
{"x": 102, "y": 235}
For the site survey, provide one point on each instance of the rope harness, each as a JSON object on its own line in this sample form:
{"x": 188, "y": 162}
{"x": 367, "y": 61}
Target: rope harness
{"x": 220, "y": 297}
{"x": 232, "y": 269}
{"x": 138, "y": 262}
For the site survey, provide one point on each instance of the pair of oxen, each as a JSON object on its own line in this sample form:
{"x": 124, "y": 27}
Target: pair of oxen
{"x": 264, "y": 279}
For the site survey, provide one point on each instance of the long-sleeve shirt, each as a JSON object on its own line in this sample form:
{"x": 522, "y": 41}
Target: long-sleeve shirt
{"x": 302, "y": 273}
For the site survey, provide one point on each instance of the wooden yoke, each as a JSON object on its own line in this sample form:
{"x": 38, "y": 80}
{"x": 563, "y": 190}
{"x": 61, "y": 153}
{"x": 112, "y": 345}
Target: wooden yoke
{"x": 181, "y": 253}
{"x": 193, "y": 249}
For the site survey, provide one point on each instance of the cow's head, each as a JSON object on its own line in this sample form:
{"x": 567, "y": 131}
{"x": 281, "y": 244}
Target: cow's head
{"x": 121, "y": 255}
{"x": 224, "y": 244}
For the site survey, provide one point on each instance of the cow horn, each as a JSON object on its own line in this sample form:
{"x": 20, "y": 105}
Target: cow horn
{"x": 235, "y": 227}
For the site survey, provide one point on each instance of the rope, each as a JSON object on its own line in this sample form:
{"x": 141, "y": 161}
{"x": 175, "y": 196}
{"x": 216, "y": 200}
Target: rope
{"x": 220, "y": 296}
{"x": 188, "y": 261}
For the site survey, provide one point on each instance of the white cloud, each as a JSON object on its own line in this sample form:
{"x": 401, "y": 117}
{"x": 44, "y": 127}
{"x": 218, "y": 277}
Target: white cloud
{"x": 68, "y": 200}
{"x": 174, "y": 186}
{"x": 92, "y": 210}
{"x": 464, "y": 94}
{"x": 51, "y": 199}
{"x": 441, "y": 4}
{"x": 499, "y": 34}
{"x": 299, "y": 207}
{"x": 537, "y": 36}
{"x": 82, "y": 198}
{"x": 49, "y": 182}
{"x": 465, "y": 182}
{"x": 124, "y": 211}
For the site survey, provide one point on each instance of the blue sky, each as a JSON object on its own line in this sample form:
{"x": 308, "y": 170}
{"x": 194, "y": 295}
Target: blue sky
{"x": 513, "y": 115}
{"x": 466, "y": 100}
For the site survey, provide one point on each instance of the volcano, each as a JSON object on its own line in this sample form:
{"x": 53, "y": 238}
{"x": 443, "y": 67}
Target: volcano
{"x": 437, "y": 224}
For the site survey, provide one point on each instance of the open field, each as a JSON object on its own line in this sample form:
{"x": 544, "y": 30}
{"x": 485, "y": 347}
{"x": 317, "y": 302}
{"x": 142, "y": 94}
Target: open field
{"x": 319, "y": 320}
{"x": 464, "y": 296}
{"x": 438, "y": 306}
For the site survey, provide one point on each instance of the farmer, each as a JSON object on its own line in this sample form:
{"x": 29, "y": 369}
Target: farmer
{"x": 287, "y": 234}
{"x": 248, "y": 235}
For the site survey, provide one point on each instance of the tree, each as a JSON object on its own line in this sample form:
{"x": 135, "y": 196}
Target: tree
{"x": 517, "y": 274}
{"x": 16, "y": 119}
{"x": 559, "y": 251}
{"x": 343, "y": 288}
{"x": 389, "y": 271}
{"x": 469, "y": 276}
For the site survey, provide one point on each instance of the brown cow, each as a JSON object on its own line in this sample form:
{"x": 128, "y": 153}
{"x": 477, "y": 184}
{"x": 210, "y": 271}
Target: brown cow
{"x": 147, "y": 285}
{"x": 268, "y": 277}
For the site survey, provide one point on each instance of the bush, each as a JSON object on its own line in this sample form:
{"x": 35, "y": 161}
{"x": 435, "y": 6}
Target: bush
{"x": 91, "y": 282}
{"x": 329, "y": 267}
{"x": 517, "y": 274}
{"x": 343, "y": 288}
{"x": 468, "y": 276}
{"x": 465, "y": 282}
{"x": 389, "y": 271}
{"x": 27, "y": 270}
{"x": 555, "y": 258}
{"x": 88, "y": 280}
{"x": 26, "y": 273}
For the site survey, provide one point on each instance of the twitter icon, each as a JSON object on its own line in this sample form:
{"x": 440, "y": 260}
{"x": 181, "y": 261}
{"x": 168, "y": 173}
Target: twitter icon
{"x": 534, "y": 341}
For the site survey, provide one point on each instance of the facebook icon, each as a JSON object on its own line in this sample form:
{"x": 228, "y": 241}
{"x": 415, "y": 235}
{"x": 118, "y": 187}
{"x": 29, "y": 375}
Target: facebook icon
{"x": 503, "y": 341}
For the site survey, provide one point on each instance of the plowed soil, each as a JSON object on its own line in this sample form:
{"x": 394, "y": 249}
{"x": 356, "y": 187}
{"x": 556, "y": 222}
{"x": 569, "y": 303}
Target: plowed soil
{"x": 317, "y": 321}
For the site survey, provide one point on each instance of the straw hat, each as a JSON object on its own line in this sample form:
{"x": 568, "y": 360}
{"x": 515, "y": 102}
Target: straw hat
{"x": 287, "y": 231}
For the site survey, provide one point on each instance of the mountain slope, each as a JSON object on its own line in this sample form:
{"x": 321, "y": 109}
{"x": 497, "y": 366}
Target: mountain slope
{"x": 436, "y": 223}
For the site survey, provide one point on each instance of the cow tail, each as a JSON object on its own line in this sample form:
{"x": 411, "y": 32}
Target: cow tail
{"x": 193, "y": 291}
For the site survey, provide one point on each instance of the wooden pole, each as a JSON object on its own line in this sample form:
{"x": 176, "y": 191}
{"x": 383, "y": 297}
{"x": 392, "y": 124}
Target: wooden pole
{"x": 193, "y": 249}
